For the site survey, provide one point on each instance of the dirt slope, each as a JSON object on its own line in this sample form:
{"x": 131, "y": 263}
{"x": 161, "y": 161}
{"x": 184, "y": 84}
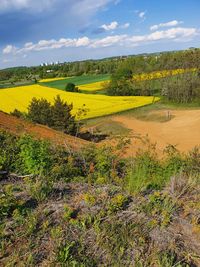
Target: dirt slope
{"x": 19, "y": 126}
{"x": 182, "y": 130}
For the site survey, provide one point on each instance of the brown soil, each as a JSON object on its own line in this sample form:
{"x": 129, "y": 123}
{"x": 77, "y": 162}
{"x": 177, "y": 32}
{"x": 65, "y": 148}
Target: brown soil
{"x": 19, "y": 126}
{"x": 183, "y": 130}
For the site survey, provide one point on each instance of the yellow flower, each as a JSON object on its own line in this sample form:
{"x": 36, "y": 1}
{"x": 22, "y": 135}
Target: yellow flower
{"x": 97, "y": 105}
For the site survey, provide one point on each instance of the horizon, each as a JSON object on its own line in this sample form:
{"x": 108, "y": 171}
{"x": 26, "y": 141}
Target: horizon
{"x": 85, "y": 30}
{"x": 102, "y": 58}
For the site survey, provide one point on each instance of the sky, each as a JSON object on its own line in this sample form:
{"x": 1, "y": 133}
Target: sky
{"x": 44, "y": 31}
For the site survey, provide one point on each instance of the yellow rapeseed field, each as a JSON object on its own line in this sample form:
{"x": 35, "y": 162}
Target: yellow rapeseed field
{"x": 51, "y": 80}
{"x": 160, "y": 74}
{"x": 98, "y": 105}
{"x": 97, "y": 86}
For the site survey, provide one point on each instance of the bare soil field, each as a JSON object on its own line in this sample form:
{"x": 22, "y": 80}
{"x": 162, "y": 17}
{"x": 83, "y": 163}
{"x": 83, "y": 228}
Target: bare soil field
{"x": 19, "y": 126}
{"x": 182, "y": 130}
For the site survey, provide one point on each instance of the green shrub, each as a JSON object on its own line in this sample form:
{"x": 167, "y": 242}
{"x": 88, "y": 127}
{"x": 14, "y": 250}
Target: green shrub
{"x": 8, "y": 202}
{"x": 161, "y": 207}
{"x": 34, "y": 156}
{"x": 71, "y": 87}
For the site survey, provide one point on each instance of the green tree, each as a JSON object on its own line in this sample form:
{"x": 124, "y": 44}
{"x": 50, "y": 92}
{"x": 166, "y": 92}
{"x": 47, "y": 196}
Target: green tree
{"x": 71, "y": 87}
{"x": 40, "y": 111}
{"x": 62, "y": 117}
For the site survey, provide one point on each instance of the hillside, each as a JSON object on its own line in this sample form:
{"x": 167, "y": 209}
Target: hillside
{"x": 18, "y": 126}
{"x": 94, "y": 209}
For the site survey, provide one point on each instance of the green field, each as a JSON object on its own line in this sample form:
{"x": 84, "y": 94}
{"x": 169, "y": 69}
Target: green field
{"x": 78, "y": 80}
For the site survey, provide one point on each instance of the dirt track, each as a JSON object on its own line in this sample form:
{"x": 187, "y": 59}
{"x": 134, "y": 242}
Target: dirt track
{"x": 19, "y": 126}
{"x": 182, "y": 130}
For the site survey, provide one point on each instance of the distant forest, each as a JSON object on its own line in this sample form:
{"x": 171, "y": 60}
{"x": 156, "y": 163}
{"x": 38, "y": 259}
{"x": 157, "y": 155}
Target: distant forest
{"x": 139, "y": 64}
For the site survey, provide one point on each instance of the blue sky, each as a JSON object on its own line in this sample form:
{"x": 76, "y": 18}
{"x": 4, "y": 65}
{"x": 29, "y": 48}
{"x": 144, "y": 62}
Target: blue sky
{"x": 37, "y": 31}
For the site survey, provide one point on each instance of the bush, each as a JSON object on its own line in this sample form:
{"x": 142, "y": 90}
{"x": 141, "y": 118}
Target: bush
{"x": 34, "y": 156}
{"x": 8, "y": 152}
{"x": 18, "y": 114}
{"x": 71, "y": 87}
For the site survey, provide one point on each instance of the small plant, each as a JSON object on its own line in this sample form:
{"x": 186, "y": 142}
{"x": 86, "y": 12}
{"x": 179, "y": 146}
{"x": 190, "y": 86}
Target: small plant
{"x": 39, "y": 188}
{"x": 161, "y": 207}
{"x": 8, "y": 202}
{"x": 90, "y": 199}
{"x": 56, "y": 232}
{"x": 65, "y": 253}
{"x": 31, "y": 223}
{"x": 69, "y": 213}
{"x": 118, "y": 202}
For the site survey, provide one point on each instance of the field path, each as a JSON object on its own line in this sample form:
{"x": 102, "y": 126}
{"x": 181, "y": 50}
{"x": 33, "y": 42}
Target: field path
{"x": 19, "y": 126}
{"x": 182, "y": 130}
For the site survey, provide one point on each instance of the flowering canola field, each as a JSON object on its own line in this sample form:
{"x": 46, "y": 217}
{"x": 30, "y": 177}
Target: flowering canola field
{"x": 97, "y": 105}
{"x": 160, "y": 74}
{"x": 51, "y": 79}
{"x": 97, "y": 86}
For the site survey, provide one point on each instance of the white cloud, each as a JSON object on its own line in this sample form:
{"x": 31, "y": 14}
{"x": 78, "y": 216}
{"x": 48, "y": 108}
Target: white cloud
{"x": 167, "y": 24}
{"x": 9, "y": 49}
{"x": 125, "y": 25}
{"x": 108, "y": 41}
{"x": 142, "y": 14}
{"x": 83, "y": 41}
{"x": 114, "y": 25}
{"x": 76, "y": 7}
{"x": 175, "y": 34}
{"x": 36, "y": 5}
{"x": 110, "y": 27}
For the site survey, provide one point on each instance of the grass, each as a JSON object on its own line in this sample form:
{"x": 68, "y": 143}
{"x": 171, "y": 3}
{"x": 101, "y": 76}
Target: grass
{"x": 8, "y": 84}
{"x": 78, "y": 80}
{"x": 96, "y": 105}
{"x": 106, "y": 126}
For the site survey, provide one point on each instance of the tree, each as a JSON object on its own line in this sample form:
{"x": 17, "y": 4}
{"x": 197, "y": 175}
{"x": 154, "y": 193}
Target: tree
{"x": 71, "y": 87}
{"x": 57, "y": 116}
{"x": 62, "y": 117}
{"x": 40, "y": 111}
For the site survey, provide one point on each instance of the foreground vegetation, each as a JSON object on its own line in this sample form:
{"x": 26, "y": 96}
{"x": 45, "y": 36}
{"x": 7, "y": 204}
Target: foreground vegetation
{"x": 94, "y": 208}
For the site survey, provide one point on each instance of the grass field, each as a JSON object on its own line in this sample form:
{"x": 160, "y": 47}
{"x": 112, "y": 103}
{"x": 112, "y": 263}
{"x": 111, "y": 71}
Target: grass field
{"x": 97, "y": 105}
{"x": 78, "y": 80}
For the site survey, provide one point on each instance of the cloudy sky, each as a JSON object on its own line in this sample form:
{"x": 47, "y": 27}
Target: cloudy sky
{"x": 36, "y": 31}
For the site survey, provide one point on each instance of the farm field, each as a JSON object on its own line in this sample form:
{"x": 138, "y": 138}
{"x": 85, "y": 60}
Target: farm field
{"x": 52, "y": 79}
{"x": 181, "y": 129}
{"x": 78, "y": 80}
{"x": 97, "y": 105}
{"x": 93, "y": 83}
{"x": 92, "y": 87}
{"x": 160, "y": 74}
